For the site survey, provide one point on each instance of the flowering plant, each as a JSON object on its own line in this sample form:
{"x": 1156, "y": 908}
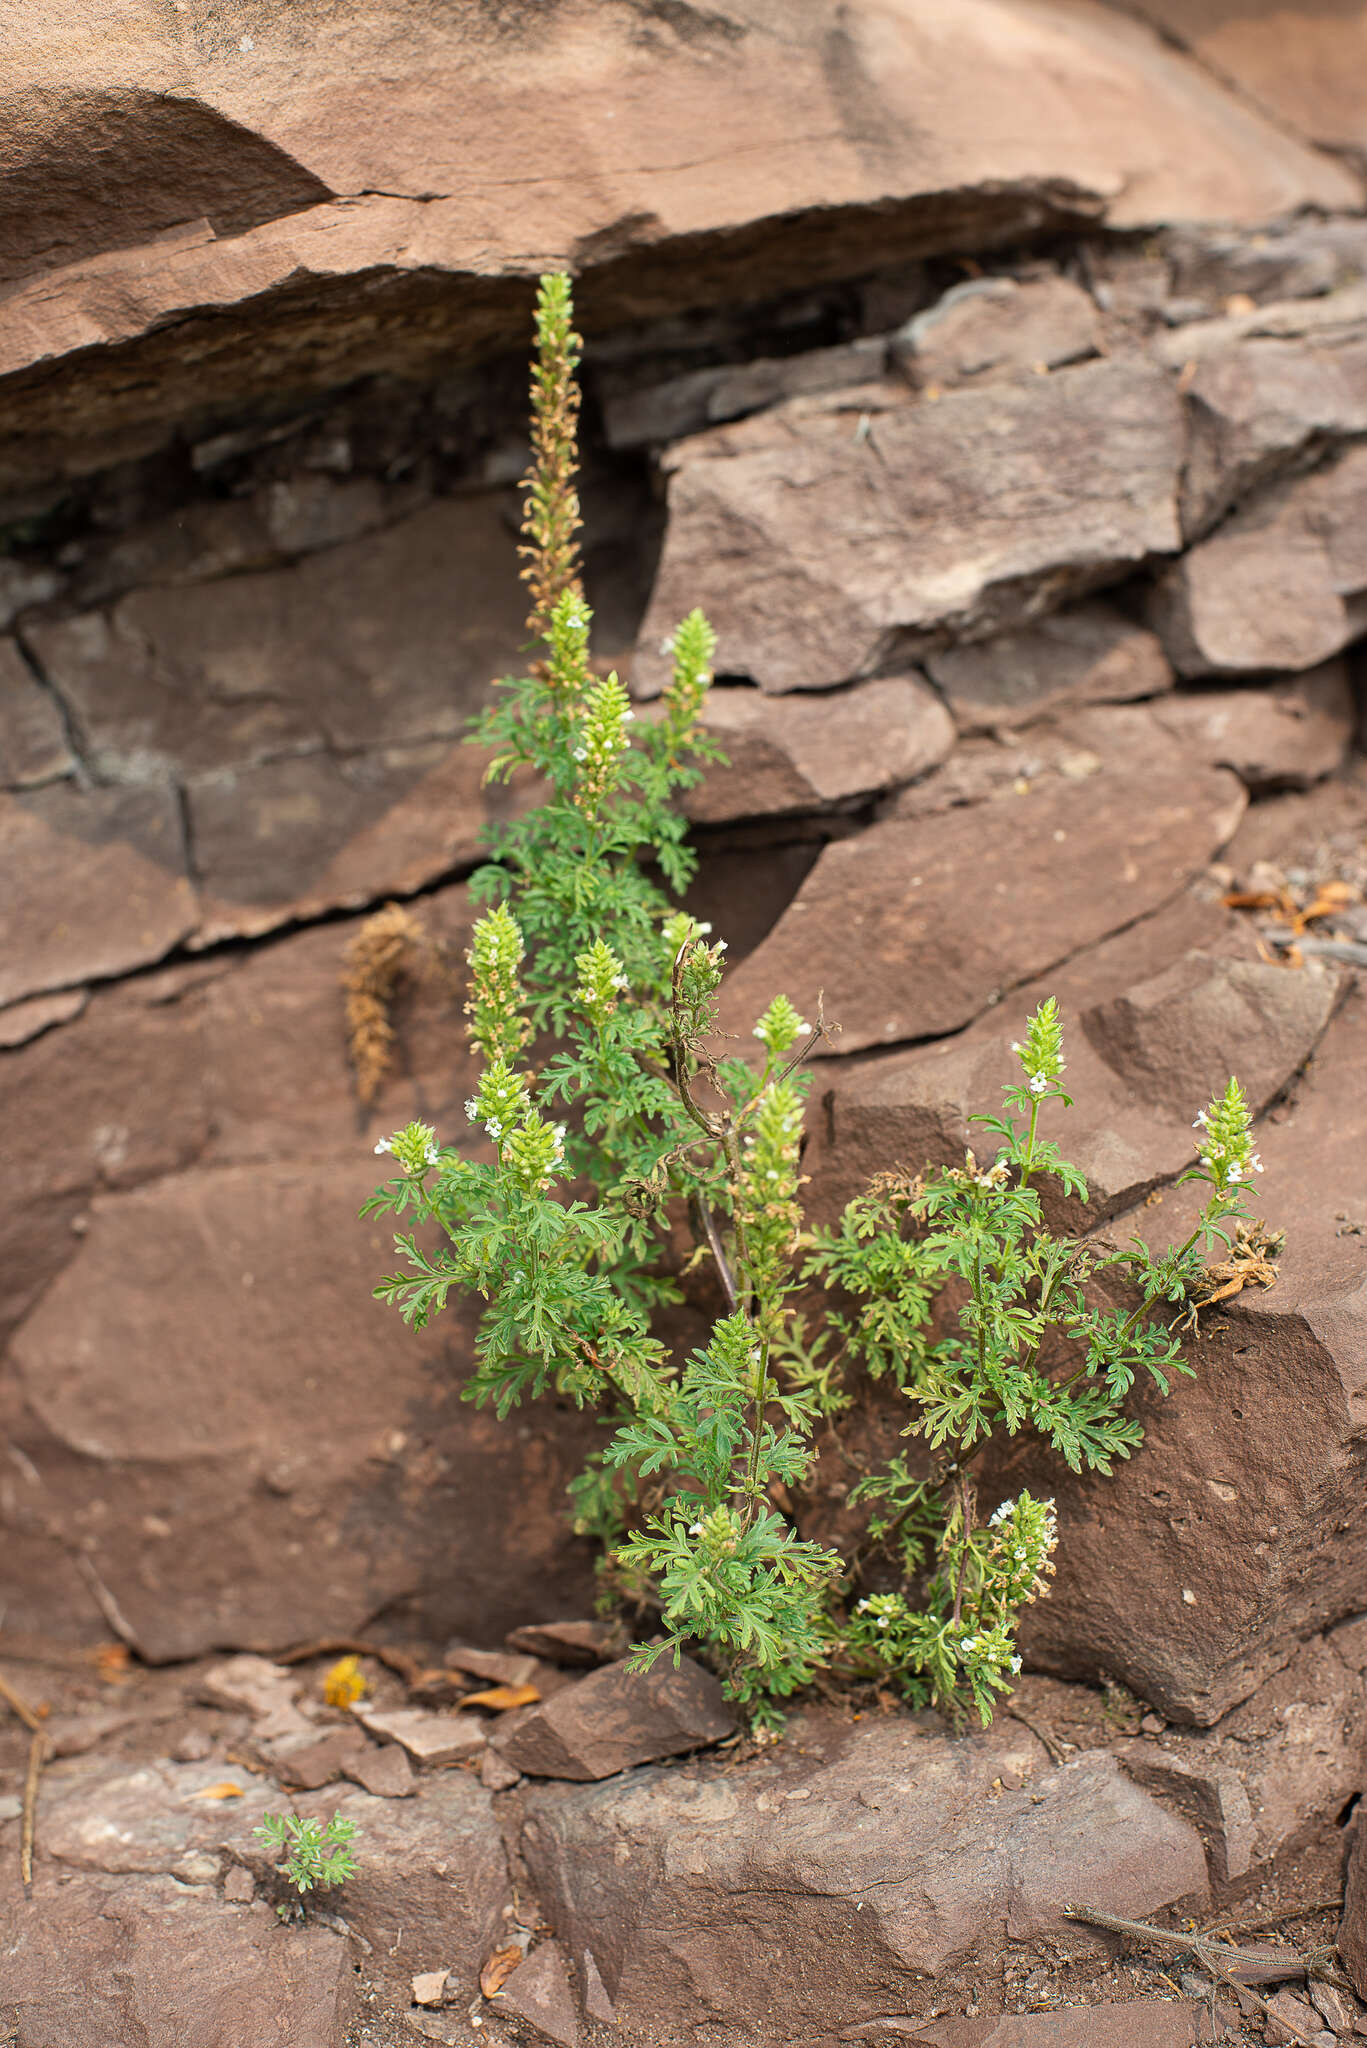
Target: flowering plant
{"x": 590, "y": 994}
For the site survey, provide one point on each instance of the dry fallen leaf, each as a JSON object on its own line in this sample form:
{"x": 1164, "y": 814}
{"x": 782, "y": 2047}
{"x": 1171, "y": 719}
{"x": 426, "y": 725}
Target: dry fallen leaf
{"x": 227, "y": 1790}
{"x": 499, "y": 1969}
{"x": 112, "y": 1661}
{"x": 502, "y": 1698}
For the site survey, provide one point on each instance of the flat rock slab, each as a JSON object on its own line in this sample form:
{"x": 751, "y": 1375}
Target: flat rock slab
{"x": 1133, "y": 2023}
{"x": 1283, "y": 736}
{"x": 539, "y": 1991}
{"x": 99, "y": 1962}
{"x": 1352, "y": 1936}
{"x": 995, "y": 327}
{"x": 33, "y": 746}
{"x": 916, "y": 926}
{"x": 808, "y": 754}
{"x": 1090, "y": 654}
{"x": 96, "y": 884}
{"x": 428, "y": 1738}
{"x": 816, "y": 551}
{"x": 615, "y": 1718}
{"x": 873, "y": 1869}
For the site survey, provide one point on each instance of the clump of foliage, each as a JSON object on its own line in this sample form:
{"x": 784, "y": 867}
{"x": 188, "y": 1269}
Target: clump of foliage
{"x": 319, "y": 1853}
{"x": 614, "y": 1112}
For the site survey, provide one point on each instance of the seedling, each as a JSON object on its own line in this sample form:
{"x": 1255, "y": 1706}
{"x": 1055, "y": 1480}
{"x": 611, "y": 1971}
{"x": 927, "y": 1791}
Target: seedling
{"x": 319, "y": 1855}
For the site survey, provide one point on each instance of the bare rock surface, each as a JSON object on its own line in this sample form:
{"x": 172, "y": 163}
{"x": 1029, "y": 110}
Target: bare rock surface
{"x": 539, "y": 1991}
{"x": 1279, "y": 586}
{"x": 349, "y": 244}
{"x": 994, "y": 327}
{"x": 96, "y": 884}
{"x": 428, "y": 1738}
{"x": 881, "y": 921}
{"x": 1090, "y": 654}
{"x": 874, "y": 1859}
{"x": 816, "y": 550}
{"x": 33, "y": 746}
{"x": 108, "y": 1962}
{"x": 812, "y": 752}
{"x": 1193, "y": 1572}
{"x": 1283, "y": 736}
{"x": 613, "y": 1719}
{"x": 704, "y": 398}
{"x": 1132, "y": 2023}
{"x": 1352, "y": 1935}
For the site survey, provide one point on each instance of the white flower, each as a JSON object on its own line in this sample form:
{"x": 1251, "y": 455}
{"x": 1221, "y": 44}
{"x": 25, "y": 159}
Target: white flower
{"x": 862, "y": 1608}
{"x": 385, "y": 1145}
{"x": 757, "y": 1032}
{"x": 883, "y": 1620}
{"x": 1236, "y": 1173}
{"x": 1256, "y": 1163}
{"x": 695, "y": 1528}
{"x": 1200, "y": 1122}
{"x": 1015, "y": 1667}
{"x": 969, "y": 1645}
{"x": 1007, "y": 1508}
{"x": 803, "y": 1025}
{"x": 1038, "y": 1083}
{"x": 472, "y": 1109}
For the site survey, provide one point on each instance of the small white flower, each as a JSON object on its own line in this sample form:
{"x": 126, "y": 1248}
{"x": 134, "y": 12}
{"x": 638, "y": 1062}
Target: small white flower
{"x": 1236, "y": 1173}
{"x": 385, "y": 1145}
{"x": 803, "y": 1026}
{"x": 882, "y": 1621}
{"x": 695, "y": 1528}
{"x": 704, "y": 927}
{"x": 1200, "y": 1122}
{"x": 969, "y": 1645}
{"x": 1205, "y": 1160}
{"x": 472, "y": 1109}
{"x": 1015, "y": 1667}
{"x": 862, "y": 1607}
{"x": 1016, "y": 1045}
{"x": 627, "y": 717}
{"x": 667, "y": 644}
{"x": 757, "y": 1032}
{"x": 1256, "y": 1163}
{"x": 1038, "y": 1083}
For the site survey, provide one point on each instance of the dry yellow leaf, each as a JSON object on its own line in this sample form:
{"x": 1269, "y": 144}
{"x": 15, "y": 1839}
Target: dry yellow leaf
{"x": 503, "y": 1698}
{"x": 499, "y": 1969}
{"x": 227, "y": 1790}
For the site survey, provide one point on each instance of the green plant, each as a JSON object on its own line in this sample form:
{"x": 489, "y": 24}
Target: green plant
{"x": 590, "y": 995}
{"x": 319, "y": 1854}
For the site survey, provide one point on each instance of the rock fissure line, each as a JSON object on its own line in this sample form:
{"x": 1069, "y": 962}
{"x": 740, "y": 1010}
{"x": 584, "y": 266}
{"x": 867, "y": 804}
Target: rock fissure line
{"x": 85, "y": 776}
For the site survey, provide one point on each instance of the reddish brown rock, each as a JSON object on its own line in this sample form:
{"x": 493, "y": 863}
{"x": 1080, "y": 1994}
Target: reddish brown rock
{"x": 1089, "y": 655}
{"x": 1352, "y": 1936}
{"x": 569, "y": 1642}
{"x": 703, "y": 398}
{"x": 385, "y": 1771}
{"x": 1283, "y": 736}
{"x": 606, "y": 1723}
{"x": 379, "y": 642}
{"x": 428, "y": 1738}
{"x": 95, "y": 885}
{"x": 1285, "y": 260}
{"x": 817, "y": 551}
{"x": 811, "y": 753}
{"x": 322, "y": 1760}
{"x": 1280, "y": 586}
{"x": 874, "y": 1859}
{"x": 1132, "y": 2023}
{"x": 348, "y": 244}
{"x": 1237, "y": 1530}
{"x": 21, "y": 1022}
{"x": 100, "y": 1962}
{"x": 539, "y": 1991}
{"x": 1256, "y": 407}
{"x": 33, "y": 746}
{"x": 884, "y": 923}
{"x": 995, "y": 327}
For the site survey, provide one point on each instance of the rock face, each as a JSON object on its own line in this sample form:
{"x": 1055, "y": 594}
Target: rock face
{"x": 606, "y": 1723}
{"x": 299, "y": 217}
{"x": 818, "y": 548}
{"x": 875, "y": 1861}
{"x": 1089, "y": 655}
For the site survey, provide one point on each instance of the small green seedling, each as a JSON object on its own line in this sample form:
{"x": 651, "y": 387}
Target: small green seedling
{"x": 320, "y": 1856}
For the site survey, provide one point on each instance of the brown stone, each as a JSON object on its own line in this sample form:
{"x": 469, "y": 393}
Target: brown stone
{"x": 1192, "y": 1573}
{"x": 386, "y": 1771}
{"x": 322, "y": 1760}
{"x": 146, "y": 1962}
{"x": 1280, "y": 586}
{"x": 703, "y": 398}
{"x": 22, "y": 1022}
{"x": 95, "y": 885}
{"x": 817, "y": 551}
{"x": 1336, "y": 318}
{"x": 875, "y": 1859}
{"x": 383, "y": 641}
{"x": 539, "y": 1991}
{"x": 347, "y": 245}
{"x": 1285, "y": 260}
{"x": 615, "y": 1718}
{"x": 883, "y": 923}
{"x": 807, "y": 754}
{"x": 428, "y": 1738}
{"x": 1283, "y": 736}
{"x": 1259, "y": 407}
{"x": 1089, "y": 655}
{"x": 1132, "y": 2023}
{"x": 995, "y": 327}
{"x": 569, "y": 1642}
{"x": 33, "y": 746}
{"x": 1307, "y": 80}
{"x": 1352, "y": 1936}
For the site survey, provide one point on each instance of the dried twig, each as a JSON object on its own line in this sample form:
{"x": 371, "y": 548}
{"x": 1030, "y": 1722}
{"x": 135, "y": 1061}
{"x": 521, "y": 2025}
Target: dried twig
{"x": 37, "y": 1749}
{"x": 1058, "y": 1749}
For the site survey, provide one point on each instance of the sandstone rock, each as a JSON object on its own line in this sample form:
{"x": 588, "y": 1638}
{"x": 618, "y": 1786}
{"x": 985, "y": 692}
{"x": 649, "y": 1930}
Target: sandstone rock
{"x": 428, "y": 1738}
{"x": 1352, "y": 1935}
{"x": 995, "y": 327}
{"x": 1088, "y": 655}
{"x": 1275, "y": 1772}
{"x": 915, "y": 958}
{"x": 1142, "y": 1057}
{"x": 1280, "y": 737}
{"x": 98, "y": 1962}
{"x": 23, "y": 584}
{"x": 1275, "y": 587}
{"x": 809, "y": 753}
{"x": 22, "y": 1022}
{"x": 1293, "y": 2018}
{"x": 1307, "y": 81}
{"x": 378, "y": 642}
{"x": 539, "y": 1991}
{"x": 1287, "y": 260}
{"x": 703, "y": 398}
{"x": 386, "y": 1772}
{"x": 613, "y": 1719}
{"x": 495, "y": 1775}
{"x": 874, "y": 1859}
{"x": 817, "y": 551}
{"x": 96, "y": 884}
{"x": 322, "y": 1760}
{"x": 153, "y": 1818}
{"x": 349, "y": 245}
{"x": 496, "y": 1667}
{"x": 1193, "y": 1572}
{"x": 1257, "y": 407}
{"x": 1336, "y": 318}
{"x": 568, "y": 1642}
{"x": 431, "y": 1878}
{"x": 1133, "y": 2023}
{"x": 33, "y": 746}
{"x": 266, "y": 1691}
